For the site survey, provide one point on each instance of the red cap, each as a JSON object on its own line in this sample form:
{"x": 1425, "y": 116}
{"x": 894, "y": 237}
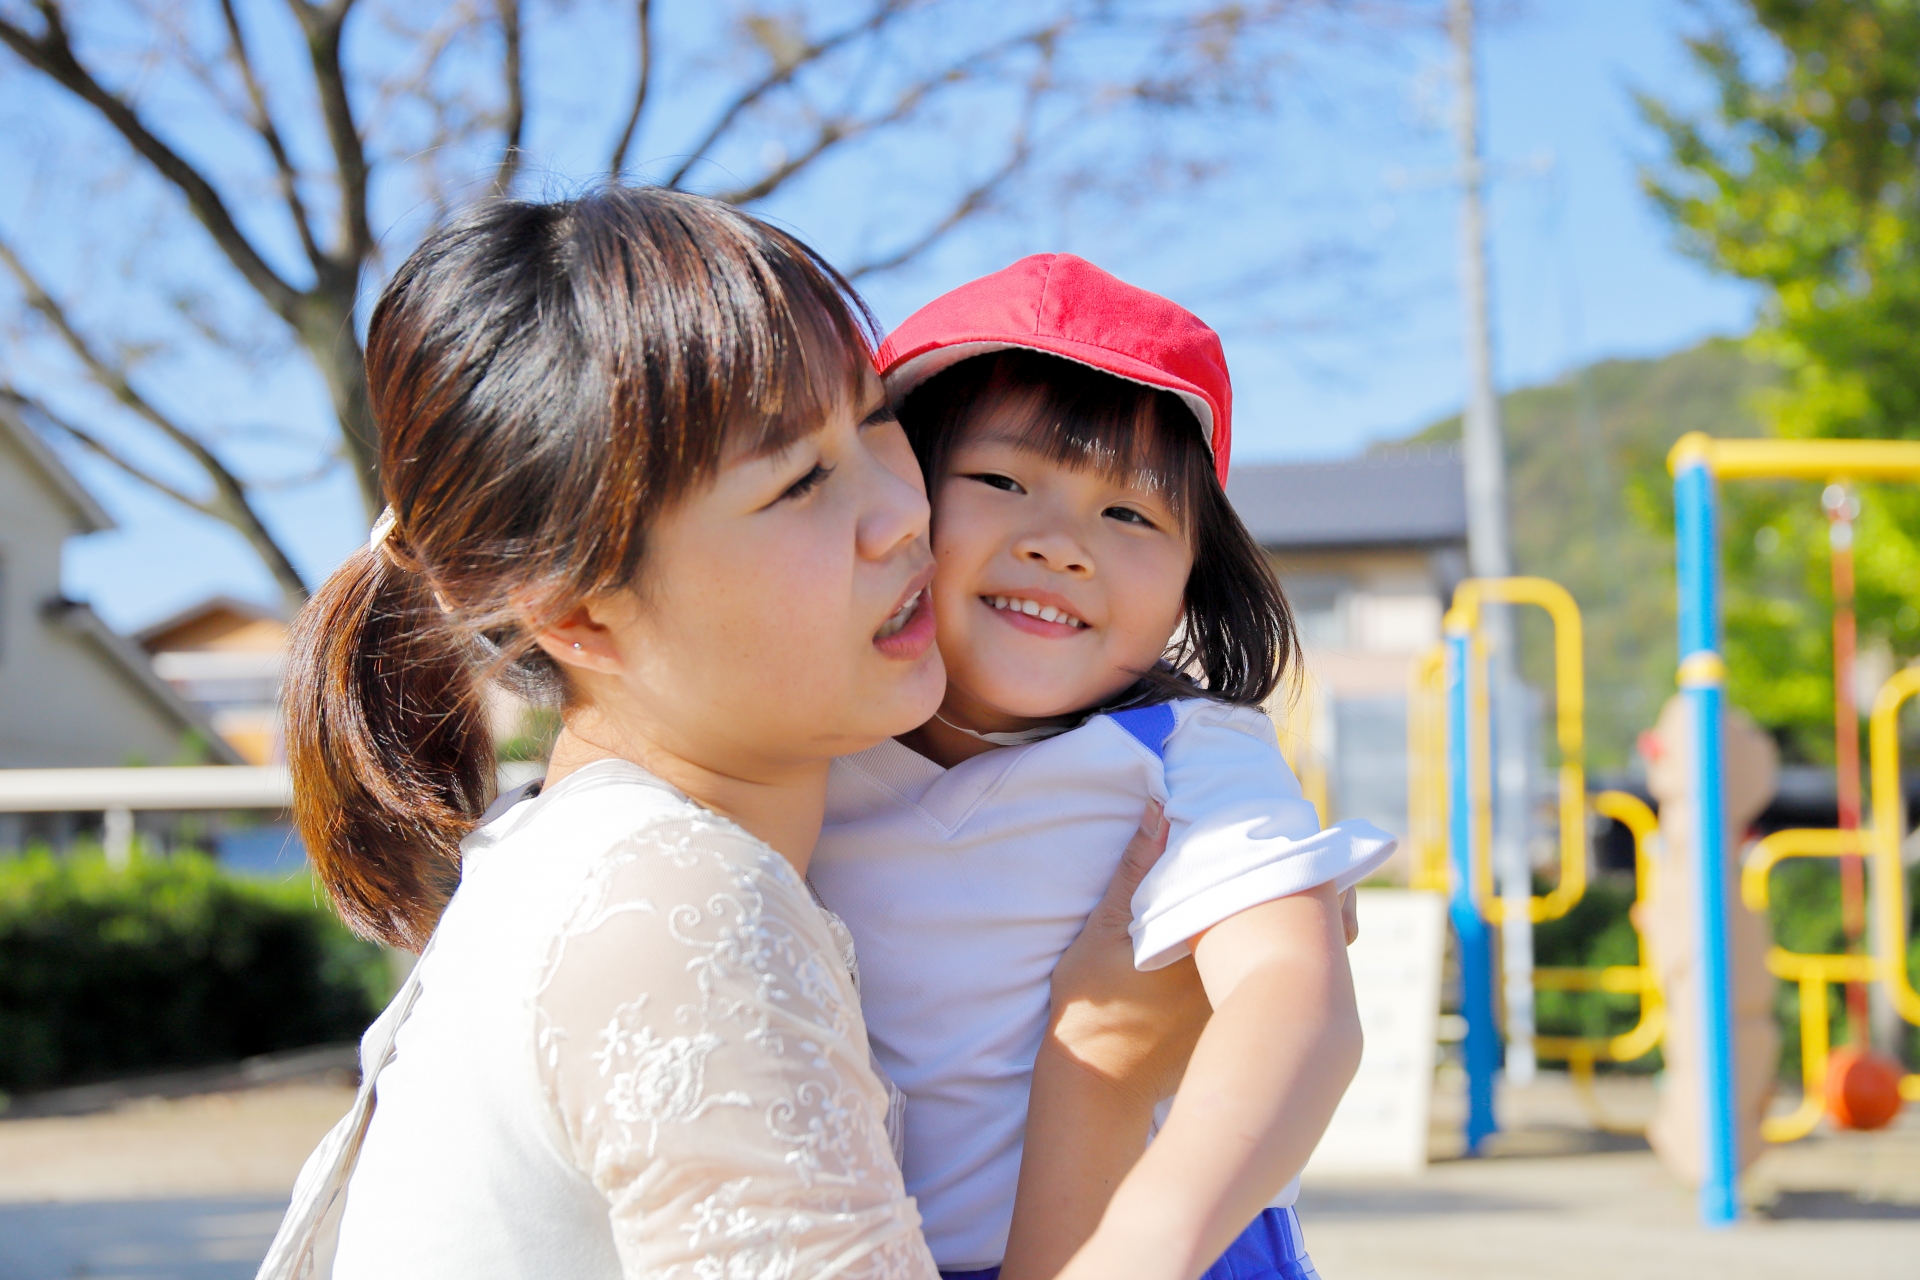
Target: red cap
{"x": 1066, "y": 306}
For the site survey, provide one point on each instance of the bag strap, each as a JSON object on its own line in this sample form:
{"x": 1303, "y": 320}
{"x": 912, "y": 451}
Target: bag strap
{"x": 302, "y": 1248}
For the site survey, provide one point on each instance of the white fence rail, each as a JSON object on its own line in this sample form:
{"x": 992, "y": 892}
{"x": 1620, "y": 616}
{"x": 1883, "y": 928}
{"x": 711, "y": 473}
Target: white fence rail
{"x": 120, "y": 793}
{"x": 214, "y": 786}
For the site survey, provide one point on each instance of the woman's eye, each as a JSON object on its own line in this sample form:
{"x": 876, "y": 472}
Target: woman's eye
{"x": 1006, "y": 484}
{"x": 807, "y": 483}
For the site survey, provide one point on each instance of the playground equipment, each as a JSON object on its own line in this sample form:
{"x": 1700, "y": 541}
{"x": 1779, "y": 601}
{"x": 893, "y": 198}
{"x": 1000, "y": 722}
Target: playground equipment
{"x": 1450, "y": 830}
{"x": 1698, "y": 462}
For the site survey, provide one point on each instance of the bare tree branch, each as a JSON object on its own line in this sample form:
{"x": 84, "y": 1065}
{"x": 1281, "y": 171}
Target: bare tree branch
{"x": 783, "y": 72}
{"x": 52, "y": 54}
{"x": 618, "y": 162}
{"x": 101, "y": 449}
{"x": 270, "y": 134}
{"x": 322, "y": 25}
{"x": 514, "y": 79}
{"x": 230, "y": 502}
{"x": 835, "y": 132}
{"x": 977, "y": 197}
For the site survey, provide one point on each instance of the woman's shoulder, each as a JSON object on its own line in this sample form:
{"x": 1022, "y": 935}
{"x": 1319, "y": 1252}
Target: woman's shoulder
{"x": 611, "y": 837}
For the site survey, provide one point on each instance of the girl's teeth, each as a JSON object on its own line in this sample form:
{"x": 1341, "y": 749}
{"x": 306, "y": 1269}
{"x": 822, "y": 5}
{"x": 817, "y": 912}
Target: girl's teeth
{"x": 1046, "y": 613}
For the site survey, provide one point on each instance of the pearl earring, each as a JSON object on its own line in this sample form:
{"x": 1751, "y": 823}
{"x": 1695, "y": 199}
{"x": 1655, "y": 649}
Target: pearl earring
{"x": 576, "y": 644}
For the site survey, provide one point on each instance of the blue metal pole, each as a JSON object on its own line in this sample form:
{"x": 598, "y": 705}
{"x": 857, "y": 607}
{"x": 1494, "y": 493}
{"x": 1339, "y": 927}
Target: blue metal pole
{"x": 1702, "y": 683}
{"x": 1482, "y": 1047}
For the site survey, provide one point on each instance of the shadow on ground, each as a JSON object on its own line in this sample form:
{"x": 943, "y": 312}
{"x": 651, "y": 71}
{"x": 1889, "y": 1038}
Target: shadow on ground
{"x": 1836, "y": 1206}
{"x": 203, "y": 1239}
{"x": 1330, "y": 1200}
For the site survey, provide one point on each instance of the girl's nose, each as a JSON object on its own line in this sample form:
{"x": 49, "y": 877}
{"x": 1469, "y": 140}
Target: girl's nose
{"x": 1054, "y": 550}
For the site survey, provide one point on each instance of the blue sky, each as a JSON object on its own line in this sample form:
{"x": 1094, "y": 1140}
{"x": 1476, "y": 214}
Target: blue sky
{"x": 1326, "y": 258}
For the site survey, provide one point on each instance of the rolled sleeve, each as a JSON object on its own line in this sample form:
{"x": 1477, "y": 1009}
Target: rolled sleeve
{"x": 1240, "y": 833}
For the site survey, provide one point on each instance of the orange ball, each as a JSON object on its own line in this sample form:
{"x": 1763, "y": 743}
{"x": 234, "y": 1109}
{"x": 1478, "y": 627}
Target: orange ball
{"x": 1863, "y": 1090}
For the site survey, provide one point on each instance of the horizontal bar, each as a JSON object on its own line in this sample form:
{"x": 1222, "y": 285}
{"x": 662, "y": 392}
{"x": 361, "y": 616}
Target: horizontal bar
{"x": 1797, "y": 459}
{"x": 195, "y": 787}
{"x": 1619, "y": 979}
{"x": 192, "y": 787}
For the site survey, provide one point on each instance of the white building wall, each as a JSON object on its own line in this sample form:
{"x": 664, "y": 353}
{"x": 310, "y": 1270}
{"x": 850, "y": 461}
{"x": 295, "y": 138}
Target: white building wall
{"x": 63, "y": 700}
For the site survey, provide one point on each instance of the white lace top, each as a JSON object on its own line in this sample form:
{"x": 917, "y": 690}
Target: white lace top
{"x": 637, "y": 1051}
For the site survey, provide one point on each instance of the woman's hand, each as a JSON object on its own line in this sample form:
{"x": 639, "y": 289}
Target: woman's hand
{"x": 1133, "y": 1030}
{"x": 1118, "y": 1042}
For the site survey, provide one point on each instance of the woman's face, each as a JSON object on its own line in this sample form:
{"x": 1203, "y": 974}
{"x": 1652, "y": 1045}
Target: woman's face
{"x": 783, "y": 615}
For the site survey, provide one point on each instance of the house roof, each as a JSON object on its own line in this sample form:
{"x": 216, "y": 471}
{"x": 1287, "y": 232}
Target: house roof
{"x": 218, "y": 622}
{"x": 1410, "y": 496}
{"x": 86, "y": 511}
{"x": 126, "y": 657}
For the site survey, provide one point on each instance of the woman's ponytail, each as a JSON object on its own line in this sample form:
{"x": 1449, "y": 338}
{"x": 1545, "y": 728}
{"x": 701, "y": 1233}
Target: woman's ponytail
{"x": 389, "y": 745}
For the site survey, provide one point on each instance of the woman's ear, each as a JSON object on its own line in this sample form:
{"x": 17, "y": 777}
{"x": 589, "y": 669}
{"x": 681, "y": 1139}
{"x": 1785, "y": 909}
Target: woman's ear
{"x": 581, "y": 638}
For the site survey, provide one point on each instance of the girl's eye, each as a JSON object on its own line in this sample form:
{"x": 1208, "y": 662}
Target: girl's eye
{"x": 807, "y": 483}
{"x": 1127, "y": 515}
{"x": 1006, "y": 484}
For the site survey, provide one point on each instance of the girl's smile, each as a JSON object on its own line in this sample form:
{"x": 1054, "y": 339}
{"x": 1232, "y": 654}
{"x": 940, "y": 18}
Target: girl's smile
{"x": 1057, "y": 585}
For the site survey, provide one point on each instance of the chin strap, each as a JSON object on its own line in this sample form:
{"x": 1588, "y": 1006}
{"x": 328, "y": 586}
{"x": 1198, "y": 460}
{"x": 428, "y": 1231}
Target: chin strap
{"x": 1017, "y": 739}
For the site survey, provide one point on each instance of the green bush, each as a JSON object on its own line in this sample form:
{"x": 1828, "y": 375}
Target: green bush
{"x": 167, "y": 963}
{"x": 1596, "y": 933}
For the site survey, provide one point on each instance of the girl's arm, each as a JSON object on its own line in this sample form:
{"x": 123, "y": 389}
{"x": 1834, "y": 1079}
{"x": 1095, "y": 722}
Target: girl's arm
{"x": 1269, "y": 1069}
{"x": 1117, "y": 1043}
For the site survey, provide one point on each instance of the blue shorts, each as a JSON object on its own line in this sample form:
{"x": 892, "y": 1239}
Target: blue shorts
{"x": 1272, "y": 1248}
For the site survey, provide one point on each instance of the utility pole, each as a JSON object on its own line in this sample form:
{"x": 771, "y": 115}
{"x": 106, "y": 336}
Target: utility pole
{"x": 1489, "y": 557}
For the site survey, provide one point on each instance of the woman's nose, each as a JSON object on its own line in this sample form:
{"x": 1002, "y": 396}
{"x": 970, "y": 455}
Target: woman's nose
{"x": 894, "y": 511}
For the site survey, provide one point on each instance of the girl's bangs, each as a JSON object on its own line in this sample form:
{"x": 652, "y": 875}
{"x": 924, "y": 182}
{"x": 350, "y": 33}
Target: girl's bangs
{"x": 1081, "y": 418}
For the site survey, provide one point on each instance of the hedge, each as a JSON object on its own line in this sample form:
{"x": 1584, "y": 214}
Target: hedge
{"x": 168, "y": 963}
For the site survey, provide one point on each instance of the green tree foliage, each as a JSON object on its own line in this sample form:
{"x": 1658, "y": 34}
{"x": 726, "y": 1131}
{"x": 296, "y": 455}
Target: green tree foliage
{"x": 1803, "y": 176}
{"x": 168, "y": 963}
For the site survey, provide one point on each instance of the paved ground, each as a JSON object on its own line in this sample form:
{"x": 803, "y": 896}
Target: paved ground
{"x": 1557, "y": 1198}
{"x": 191, "y": 1189}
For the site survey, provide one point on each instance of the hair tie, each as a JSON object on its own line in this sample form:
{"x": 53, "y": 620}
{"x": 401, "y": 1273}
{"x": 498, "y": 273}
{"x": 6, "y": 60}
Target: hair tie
{"x": 377, "y": 538}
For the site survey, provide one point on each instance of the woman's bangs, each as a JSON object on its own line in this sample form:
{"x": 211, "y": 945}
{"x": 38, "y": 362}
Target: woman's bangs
{"x": 819, "y": 360}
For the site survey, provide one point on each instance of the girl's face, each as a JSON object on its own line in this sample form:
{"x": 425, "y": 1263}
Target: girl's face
{"x": 783, "y": 614}
{"x": 1056, "y": 586}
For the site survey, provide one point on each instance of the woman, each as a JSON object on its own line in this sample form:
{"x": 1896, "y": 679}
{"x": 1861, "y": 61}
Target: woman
{"x": 639, "y": 464}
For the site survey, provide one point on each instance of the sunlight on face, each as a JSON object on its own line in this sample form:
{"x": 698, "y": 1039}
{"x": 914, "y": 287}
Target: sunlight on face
{"x": 784, "y": 616}
{"x": 1056, "y": 587}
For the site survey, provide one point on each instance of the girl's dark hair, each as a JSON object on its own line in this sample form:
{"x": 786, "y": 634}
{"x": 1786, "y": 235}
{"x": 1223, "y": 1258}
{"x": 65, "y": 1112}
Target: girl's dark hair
{"x": 1237, "y": 641}
{"x": 545, "y": 378}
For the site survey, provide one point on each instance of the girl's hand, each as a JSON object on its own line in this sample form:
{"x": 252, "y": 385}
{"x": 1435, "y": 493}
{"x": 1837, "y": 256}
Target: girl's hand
{"x": 1350, "y": 915}
{"x": 1118, "y": 1042}
{"x": 1133, "y": 1030}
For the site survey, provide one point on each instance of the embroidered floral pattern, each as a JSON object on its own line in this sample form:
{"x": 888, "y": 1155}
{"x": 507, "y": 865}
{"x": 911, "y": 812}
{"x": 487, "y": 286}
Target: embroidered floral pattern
{"x": 730, "y": 1113}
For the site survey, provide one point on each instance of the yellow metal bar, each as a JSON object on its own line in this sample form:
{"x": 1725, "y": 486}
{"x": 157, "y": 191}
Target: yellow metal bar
{"x": 1797, "y": 842}
{"x": 1617, "y": 979}
{"x": 1427, "y": 768}
{"x": 1569, "y": 727}
{"x": 1802, "y": 966}
{"x": 1797, "y": 459}
{"x": 1910, "y": 1088}
{"x": 1813, "y": 1066}
{"x": 1889, "y": 826}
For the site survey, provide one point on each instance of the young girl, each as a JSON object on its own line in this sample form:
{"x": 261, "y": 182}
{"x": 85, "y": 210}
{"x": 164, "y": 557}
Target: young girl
{"x": 1110, "y": 631}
